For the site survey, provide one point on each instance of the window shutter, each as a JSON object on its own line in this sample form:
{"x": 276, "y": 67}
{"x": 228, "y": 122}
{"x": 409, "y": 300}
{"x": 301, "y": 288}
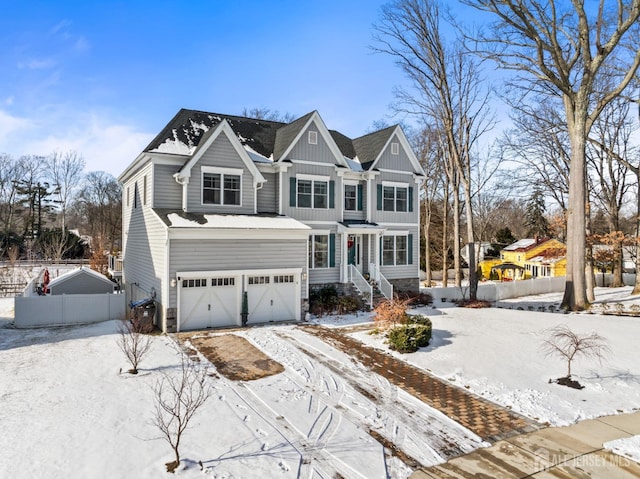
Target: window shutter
{"x": 411, "y": 198}
{"x": 332, "y": 250}
{"x": 410, "y": 249}
{"x": 379, "y": 197}
{"x": 332, "y": 194}
{"x": 292, "y": 192}
{"x": 359, "y": 197}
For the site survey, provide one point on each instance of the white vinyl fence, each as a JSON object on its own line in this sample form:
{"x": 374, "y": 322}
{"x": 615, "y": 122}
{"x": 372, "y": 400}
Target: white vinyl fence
{"x": 502, "y": 290}
{"x": 67, "y": 309}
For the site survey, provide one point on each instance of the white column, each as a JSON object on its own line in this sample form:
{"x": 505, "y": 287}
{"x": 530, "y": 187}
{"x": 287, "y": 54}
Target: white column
{"x": 344, "y": 276}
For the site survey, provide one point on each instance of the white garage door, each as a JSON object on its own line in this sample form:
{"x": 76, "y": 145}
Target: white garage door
{"x": 272, "y": 297}
{"x": 209, "y": 302}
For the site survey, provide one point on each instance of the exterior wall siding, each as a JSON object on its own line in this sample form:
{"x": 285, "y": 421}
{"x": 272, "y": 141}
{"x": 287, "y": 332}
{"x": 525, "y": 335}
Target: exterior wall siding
{"x": 235, "y": 254}
{"x": 143, "y": 246}
{"x": 267, "y": 195}
{"x": 166, "y": 192}
{"x": 398, "y": 162}
{"x": 83, "y": 284}
{"x": 303, "y": 150}
{"x": 311, "y": 214}
{"x": 222, "y": 154}
{"x": 327, "y": 275}
{"x": 380, "y": 216}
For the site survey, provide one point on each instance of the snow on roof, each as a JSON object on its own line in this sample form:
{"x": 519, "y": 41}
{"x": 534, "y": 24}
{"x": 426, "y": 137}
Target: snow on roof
{"x": 255, "y": 156}
{"x": 237, "y": 222}
{"x": 523, "y": 243}
{"x": 75, "y": 272}
{"x": 175, "y": 146}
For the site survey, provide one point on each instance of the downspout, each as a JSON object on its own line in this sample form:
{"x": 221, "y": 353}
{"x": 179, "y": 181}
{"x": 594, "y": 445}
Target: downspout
{"x": 184, "y": 181}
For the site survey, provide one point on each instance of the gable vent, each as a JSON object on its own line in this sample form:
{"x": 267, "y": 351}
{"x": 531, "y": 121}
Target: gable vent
{"x": 395, "y": 148}
{"x": 313, "y": 137}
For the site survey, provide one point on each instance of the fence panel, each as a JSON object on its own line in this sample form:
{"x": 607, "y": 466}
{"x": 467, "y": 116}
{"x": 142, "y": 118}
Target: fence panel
{"x": 67, "y": 309}
{"x": 496, "y": 291}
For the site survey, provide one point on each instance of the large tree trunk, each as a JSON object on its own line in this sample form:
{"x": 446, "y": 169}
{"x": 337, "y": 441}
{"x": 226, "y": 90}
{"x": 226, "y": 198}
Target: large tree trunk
{"x": 575, "y": 297}
{"x": 427, "y": 251}
{"x": 445, "y": 231}
{"x": 636, "y": 286}
{"x": 473, "y": 263}
{"x": 456, "y": 234}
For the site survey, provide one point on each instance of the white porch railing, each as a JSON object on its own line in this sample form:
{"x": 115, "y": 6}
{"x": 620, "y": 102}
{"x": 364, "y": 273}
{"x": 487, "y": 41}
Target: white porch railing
{"x": 361, "y": 284}
{"x": 115, "y": 265}
{"x": 386, "y": 288}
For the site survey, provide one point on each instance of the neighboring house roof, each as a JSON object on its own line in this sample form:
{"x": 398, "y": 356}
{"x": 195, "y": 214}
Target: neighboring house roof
{"x": 180, "y": 219}
{"x": 266, "y": 140}
{"x": 522, "y": 245}
{"x": 78, "y": 272}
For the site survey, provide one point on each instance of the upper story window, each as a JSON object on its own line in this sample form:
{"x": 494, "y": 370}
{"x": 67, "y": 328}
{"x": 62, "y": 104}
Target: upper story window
{"x": 221, "y": 186}
{"x": 395, "y": 197}
{"x": 310, "y": 191}
{"x": 350, "y": 197}
{"x": 313, "y": 137}
{"x": 395, "y": 148}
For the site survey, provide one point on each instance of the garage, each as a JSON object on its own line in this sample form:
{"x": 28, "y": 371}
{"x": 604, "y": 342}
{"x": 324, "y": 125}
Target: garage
{"x": 213, "y": 299}
{"x": 273, "y": 297}
{"x": 209, "y": 301}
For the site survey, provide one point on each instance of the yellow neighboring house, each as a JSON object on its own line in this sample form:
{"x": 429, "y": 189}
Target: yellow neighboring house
{"x": 529, "y": 258}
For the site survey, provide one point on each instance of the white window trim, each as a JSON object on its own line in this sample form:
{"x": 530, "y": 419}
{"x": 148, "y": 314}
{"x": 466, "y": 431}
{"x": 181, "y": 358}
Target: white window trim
{"x": 351, "y": 182}
{"x": 395, "y": 148}
{"x": 313, "y": 137}
{"x": 312, "y": 249}
{"x": 395, "y": 235}
{"x": 344, "y": 189}
{"x": 222, "y": 172}
{"x": 396, "y": 184}
{"x": 313, "y": 179}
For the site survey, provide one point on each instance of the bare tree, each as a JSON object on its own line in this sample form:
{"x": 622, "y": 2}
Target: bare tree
{"x": 561, "y": 51}
{"x": 263, "y": 113}
{"x": 562, "y": 341}
{"x": 447, "y": 91}
{"x": 64, "y": 171}
{"x": 100, "y": 207}
{"x": 177, "y": 398}
{"x": 133, "y": 343}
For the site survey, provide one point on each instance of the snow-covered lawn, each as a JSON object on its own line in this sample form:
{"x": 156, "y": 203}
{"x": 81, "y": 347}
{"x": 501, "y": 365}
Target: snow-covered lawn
{"x": 68, "y": 411}
{"x": 495, "y": 352}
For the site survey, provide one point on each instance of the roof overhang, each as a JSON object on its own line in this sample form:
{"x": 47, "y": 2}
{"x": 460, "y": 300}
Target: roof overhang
{"x": 361, "y": 228}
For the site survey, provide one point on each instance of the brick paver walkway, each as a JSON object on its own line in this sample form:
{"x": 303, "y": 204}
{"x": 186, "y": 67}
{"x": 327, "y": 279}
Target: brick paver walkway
{"x": 488, "y": 420}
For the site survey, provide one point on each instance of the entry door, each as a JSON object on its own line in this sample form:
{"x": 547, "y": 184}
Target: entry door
{"x": 271, "y": 297}
{"x": 354, "y": 251}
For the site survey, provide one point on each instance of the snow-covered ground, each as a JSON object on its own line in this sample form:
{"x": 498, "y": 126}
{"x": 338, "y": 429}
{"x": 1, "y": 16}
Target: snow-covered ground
{"x": 68, "y": 411}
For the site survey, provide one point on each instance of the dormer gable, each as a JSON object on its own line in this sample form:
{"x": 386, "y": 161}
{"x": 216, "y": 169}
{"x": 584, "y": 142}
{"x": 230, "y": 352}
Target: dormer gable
{"x": 209, "y": 137}
{"x": 388, "y": 149}
{"x": 308, "y": 130}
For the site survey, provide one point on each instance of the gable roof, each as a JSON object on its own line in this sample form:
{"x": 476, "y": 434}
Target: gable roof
{"x": 266, "y": 140}
{"x": 81, "y": 271}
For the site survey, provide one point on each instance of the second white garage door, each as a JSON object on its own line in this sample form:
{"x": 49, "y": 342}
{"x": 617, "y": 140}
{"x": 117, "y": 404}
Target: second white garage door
{"x": 273, "y": 297}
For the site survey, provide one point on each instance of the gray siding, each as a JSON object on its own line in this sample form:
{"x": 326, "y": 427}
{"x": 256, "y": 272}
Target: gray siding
{"x": 302, "y": 150}
{"x": 380, "y": 216}
{"x": 143, "y": 248}
{"x": 328, "y": 275}
{"x": 312, "y": 214}
{"x": 222, "y": 154}
{"x": 399, "y": 162}
{"x": 267, "y": 199}
{"x": 235, "y": 254}
{"x": 166, "y": 192}
{"x": 405, "y": 271}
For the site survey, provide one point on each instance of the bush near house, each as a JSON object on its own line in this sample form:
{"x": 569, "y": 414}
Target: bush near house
{"x": 410, "y": 337}
{"x": 326, "y": 300}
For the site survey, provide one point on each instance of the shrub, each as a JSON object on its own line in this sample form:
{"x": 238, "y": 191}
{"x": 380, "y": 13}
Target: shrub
{"x": 324, "y": 300}
{"x": 415, "y": 299}
{"x": 619, "y": 307}
{"x": 476, "y": 304}
{"x": 408, "y": 338}
{"x": 391, "y": 312}
{"x": 349, "y": 304}
{"x": 635, "y": 308}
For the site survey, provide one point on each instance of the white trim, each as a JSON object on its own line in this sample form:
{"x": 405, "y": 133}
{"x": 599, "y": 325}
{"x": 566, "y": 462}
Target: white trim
{"x": 395, "y": 148}
{"x": 333, "y": 223}
{"x": 322, "y": 129}
{"x": 351, "y": 182}
{"x": 395, "y": 184}
{"x": 258, "y": 234}
{"x": 221, "y": 170}
{"x": 396, "y": 233}
{"x": 313, "y": 137}
{"x": 398, "y": 172}
{"x": 319, "y": 232}
{"x": 400, "y": 225}
{"x": 312, "y": 163}
{"x": 313, "y": 249}
{"x": 304, "y": 176}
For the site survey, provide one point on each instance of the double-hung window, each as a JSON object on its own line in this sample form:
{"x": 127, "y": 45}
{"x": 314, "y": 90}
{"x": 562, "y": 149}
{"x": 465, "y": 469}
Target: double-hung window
{"x": 318, "y": 251}
{"x": 350, "y": 197}
{"x": 394, "y": 197}
{"x": 312, "y": 192}
{"x": 396, "y": 250}
{"x": 221, "y": 186}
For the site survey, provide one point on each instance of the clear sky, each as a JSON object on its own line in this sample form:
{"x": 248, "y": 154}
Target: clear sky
{"x": 103, "y": 78}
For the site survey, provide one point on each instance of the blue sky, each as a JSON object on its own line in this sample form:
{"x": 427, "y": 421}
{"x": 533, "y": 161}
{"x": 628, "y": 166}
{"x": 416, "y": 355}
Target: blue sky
{"x": 103, "y": 78}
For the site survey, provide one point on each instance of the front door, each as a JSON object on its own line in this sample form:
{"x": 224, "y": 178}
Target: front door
{"x": 354, "y": 251}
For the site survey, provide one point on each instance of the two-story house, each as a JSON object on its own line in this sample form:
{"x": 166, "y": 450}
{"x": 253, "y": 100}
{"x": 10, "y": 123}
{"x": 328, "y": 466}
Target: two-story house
{"x": 230, "y": 220}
